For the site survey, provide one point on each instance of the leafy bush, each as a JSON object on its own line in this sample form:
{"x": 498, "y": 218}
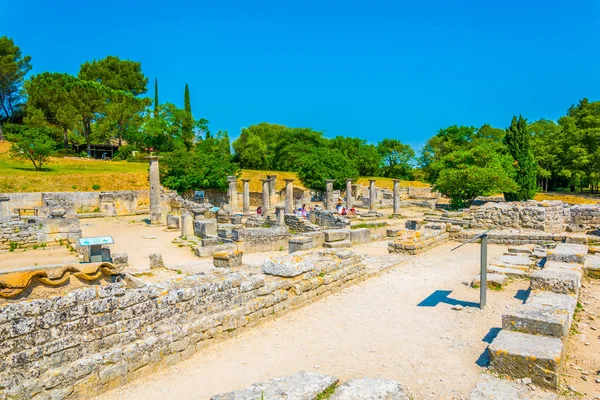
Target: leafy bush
{"x": 321, "y": 164}
{"x": 33, "y": 144}
{"x": 117, "y": 158}
{"x": 95, "y": 186}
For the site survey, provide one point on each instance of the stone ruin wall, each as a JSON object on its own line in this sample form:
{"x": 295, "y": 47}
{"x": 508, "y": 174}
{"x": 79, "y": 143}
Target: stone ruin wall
{"x": 585, "y": 214}
{"x": 94, "y": 339}
{"x": 547, "y": 216}
{"x": 34, "y": 231}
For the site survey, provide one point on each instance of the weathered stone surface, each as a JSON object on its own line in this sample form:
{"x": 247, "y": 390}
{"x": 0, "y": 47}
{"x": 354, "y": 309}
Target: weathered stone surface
{"x": 537, "y": 319}
{"x": 521, "y": 355}
{"x": 300, "y": 243}
{"x": 359, "y": 236}
{"x": 545, "y": 216}
{"x": 172, "y": 221}
{"x": 304, "y": 385}
{"x": 156, "y": 261}
{"x": 491, "y": 388}
{"x": 334, "y": 235}
{"x": 494, "y": 281}
{"x": 510, "y": 272}
{"x": 228, "y": 259}
{"x": 516, "y": 261}
{"x": 592, "y": 266}
{"x": 369, "y": 389}
{"x": 569, "y": 253}
{"x": 338, "y": 245}
{"x": 287, "y": 266}
{"x": 556, "y": 281}
{"x": 202, "y": 251}
{"x": 413, "y": 224}
{"x": 120, "y": 259}
{"x": 519, "y": 250}
{"x": 205, "y": 228}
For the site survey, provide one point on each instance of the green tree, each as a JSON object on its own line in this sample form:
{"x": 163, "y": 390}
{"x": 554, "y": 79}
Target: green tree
{"x": 188, "y": 120}
{"x": 481, "y": 170}
{"x": 116, "y": 74}
{"x": 396, "y": 158}
{"x": 155, "y": 98}
{"x": 518, "y": 143}
{"x": 165, "y": 133}
{"x": 262, "y": 137}
{"x": 34, "y": 145}
{"x": 365, "y": 156}
{"x": 292, "y": 145}
{"x": 324, "y": 163}
{"x": 13, "y": 68}
{"x": 546, "y": 138}
{"x": 122, "y": 117}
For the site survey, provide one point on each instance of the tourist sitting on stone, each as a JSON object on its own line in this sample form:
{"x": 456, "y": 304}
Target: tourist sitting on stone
{"x": 259, "y": 210}
{"x": 299, "y": 212}
{"x": 304, "y": 211}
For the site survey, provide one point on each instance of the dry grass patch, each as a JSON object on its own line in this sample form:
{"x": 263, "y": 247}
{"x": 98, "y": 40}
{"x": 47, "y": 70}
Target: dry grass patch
{"x": 256, "y": 176}
{"x": 388, "y": 183}
{"x": 567, "y": 198}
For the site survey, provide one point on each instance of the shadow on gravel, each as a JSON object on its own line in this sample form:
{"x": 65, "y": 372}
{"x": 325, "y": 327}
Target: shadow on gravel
{"x": 441, "y": 296}
{"x": 484, "y": 358}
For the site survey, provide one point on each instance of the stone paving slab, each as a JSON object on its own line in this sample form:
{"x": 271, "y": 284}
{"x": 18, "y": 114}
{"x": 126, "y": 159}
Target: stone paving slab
{"x": 338, "y": 245}
{"x": 369, "y": 389}
{"x": 557, "y": 281}
{"x": 568, "y": 252}
{"x": 334, "y": 235}
{"x": 491, "y": 388}
{"x": 537, "y": 319}
{"x": 519, "y": 250}
{"x": 510, "y": 272}
{"x": 304, "y": 385}
{"x": 494, "y": 281}
{"x": 517, "y": 260}
{"x": 520, "y": 355}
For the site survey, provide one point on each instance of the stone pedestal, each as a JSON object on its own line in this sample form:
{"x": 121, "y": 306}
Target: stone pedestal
{"x": 372, "y": 196}
{"x": 279, "y": 215}
{"x": 172, "y": 221}
{"x": 349, "y": 202}
{"x": 329, "y": 206}
{"x": 187, "y": 225}
{"x": 246, "y": 196}
{"x": 396, "y": 196}
{"x": 155, "y": 215}
{"x": 265, "y": 195}
{"x": 289, "y": 196}
{"x": 232, "y": 193}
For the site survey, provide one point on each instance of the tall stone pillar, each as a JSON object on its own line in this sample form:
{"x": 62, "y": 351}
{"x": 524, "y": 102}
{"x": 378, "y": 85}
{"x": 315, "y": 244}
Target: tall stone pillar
{"x": 187, "y": 224}
{"x": 246, "y": 196}
{"x": 232, "y": 193}
{"x": 289, "y": 196}
{"x": 329, "y": 194}
{"x": 265, "y": 195}
{"x": 155, "y": 215}
{"x": 272, "y": 190}
{"x": 372, "y": 196}
{"x": 396, "y": 196}
{"x": 348, "y": 193}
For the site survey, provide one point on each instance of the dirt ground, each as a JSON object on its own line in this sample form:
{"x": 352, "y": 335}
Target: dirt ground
{"x": 33, "y": 257}
{"x": 581, "y": 375}
{"x": 400, "y": 325}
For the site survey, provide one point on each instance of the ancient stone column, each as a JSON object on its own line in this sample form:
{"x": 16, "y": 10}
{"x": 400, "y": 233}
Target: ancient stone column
{"x": 289, "y": 196}
{"x": 280, "y": 215}
{"x": 265, "y": 194}
{"x": 187, "y": 225}
{"x": 232, "y": 193}
{"x": 372, "y": 196}
{"x": 155, "y": 215}
{"x": 396, "y": 196}
{"x": 329, "y": 194}
{"x": 272, "y": 190}
{"x": 348, "y": 193}
{"x": 246, "y": 196}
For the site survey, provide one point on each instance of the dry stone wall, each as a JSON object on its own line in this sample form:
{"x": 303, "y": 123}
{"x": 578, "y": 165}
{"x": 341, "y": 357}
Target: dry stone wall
{"x": 585, "y": 214}
{"x": 96, "y": 338}
{"x": 547, "y": 216}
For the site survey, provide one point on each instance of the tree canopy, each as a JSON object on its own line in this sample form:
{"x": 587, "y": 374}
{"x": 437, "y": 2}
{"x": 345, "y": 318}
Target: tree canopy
{"x": 14, "y": 66}
{"x": 116, "y": 74}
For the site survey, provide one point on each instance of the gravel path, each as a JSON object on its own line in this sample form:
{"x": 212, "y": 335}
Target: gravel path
{"x": 400, "y": 325}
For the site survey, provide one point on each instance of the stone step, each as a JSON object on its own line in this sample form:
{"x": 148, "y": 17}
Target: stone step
{"x": 567, "y": 252}
{"x": 510, "y": 272}
{"x": 369, "y": 389}
{"x": 337, "y": 245}
{"x": 492, "y": 388}
{"x": 562, "y": 266}
{"x": 494, "y": 281}
{"x": 334, "y": 235}
{"x": 511, "y": 266}
{"x": 592, "y": 266}
{"x": 521, "y": 355}
{"x": 519, "y": 250}
{"x": 537, "y": 319}
{"x": 557, "y": 281}
{"x": 516, "y": 260}
{"x": 567, "y": 302}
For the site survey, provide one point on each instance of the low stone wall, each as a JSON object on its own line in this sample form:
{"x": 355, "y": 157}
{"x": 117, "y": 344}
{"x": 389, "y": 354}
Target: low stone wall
{"x": 415, "y": 242}
{"x": 97, "y": 338}
{"x": 585, "y": 214}
{"x": 253, "y": 240}
{"x": 29, "y": 232}
{"x": 299, "y": 224}
{"x": 531, "y": 237}
{"x": 328, "y": 219}
{"x": 19, "y": 234}
{"x": 547, "y": 216}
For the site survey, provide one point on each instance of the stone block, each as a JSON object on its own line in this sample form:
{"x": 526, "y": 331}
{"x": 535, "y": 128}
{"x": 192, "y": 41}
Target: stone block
{"x": 536, "y": 319}
{"x": 492, "y": 388}
{"x": 377, "y": 237}
{"x": 519, "y": 250}
{"x": 393, "y": 232}
{"x": 205, "y": 228}
{"x": 172, "y": 221}
{"x": 592, "y": 266}
{"x": 317, "y": 237}
{"x": 210, "y": 241}
{"x": 228, "y": 259}
{"x": 156, "y": 261}
{"x": 565, "y": 282}
{"x": 236, "y": 219}
{"x": 304, "y": 385}
{"x": 334, "y": 235}
{"x": 225, "y": 231}
{"x": 287, "y": 266}
{"x": 413, "y": 224}
{"x": 338, "y": 245}
{"x": 510, "y": 272}
{"x": 359, "y": 236}
{"x": 516, "y": 260}
{"x": 201, "y": 251}
{"x": 520, "y": 355}
{"x": 567, "y": 252}
{"x": 120, "y": 259}
{"x": 300, "y": 243}
{"x": 369, "y": 389}
{"x": 494, "y": 281}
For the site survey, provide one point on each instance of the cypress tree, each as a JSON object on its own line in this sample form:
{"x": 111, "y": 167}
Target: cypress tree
{"x": 188, "y": 122}
{"x": 155, "y": 98}
{"x": 518, "y": 143}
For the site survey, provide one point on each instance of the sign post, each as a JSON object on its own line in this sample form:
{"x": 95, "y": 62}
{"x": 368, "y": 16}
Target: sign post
{"x": 482, "y": 265}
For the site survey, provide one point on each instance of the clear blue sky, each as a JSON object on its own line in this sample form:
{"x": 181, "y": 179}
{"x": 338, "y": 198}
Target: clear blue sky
{"x": 369, "y": 69}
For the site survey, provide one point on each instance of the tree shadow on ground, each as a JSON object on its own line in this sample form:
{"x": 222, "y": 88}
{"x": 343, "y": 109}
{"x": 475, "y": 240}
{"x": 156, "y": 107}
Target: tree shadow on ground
{"x": 441, "y": 296}
{"x": 523, "y": 294}
{"x": 484, "y": 358}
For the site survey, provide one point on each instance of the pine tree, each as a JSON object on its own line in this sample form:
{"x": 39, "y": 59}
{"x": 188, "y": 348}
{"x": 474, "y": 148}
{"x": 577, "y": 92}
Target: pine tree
{"x": 517, "y": 141}
{"x": 188, "y": 122}
{"x": 155, "y": 98}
